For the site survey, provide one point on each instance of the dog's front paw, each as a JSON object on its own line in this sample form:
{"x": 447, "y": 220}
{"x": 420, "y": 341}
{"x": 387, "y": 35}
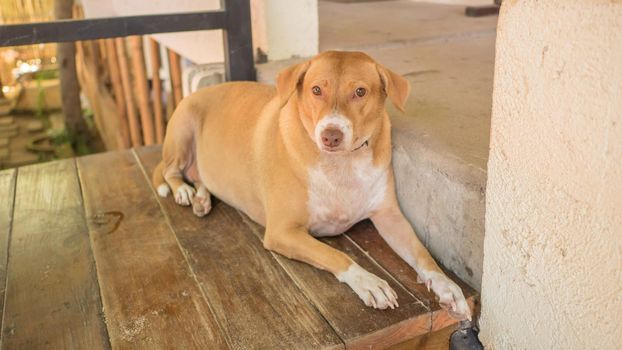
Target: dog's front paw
{"x": 184, "y": 195}
{"x": 373, "y": 290}
{"x": 449, "y": 294}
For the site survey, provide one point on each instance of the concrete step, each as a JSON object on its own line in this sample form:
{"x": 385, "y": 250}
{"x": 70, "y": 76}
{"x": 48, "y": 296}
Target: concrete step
{"x": 440, "y": 144}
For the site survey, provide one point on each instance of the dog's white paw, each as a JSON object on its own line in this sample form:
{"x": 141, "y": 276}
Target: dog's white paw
{"x": 163, "y": 190}
{"x": 374, "y": 291}
{"x": 449, "y": 294}
{"x": 184, "y": 195}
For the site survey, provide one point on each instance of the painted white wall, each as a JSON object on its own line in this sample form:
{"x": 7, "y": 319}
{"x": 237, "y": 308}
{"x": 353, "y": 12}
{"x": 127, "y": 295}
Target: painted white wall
{"x": 281, "y": 28}
{"x": 553, "y": 246}
{"x": 291, "y": 27}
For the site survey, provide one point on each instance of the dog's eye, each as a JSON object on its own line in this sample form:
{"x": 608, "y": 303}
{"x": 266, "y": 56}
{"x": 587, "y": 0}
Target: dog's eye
{"x": 360, "y": 92}
{"x": 316, "y": 90}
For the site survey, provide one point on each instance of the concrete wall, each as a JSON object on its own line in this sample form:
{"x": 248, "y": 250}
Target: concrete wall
{"x": 553, "y": 246}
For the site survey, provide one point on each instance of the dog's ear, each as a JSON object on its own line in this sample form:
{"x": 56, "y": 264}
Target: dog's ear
{"x": 395, "y": 86}
{"x": 288, "y": 80}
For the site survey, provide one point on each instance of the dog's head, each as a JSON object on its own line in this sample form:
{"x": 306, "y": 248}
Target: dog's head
{"x": 341, "y": 97}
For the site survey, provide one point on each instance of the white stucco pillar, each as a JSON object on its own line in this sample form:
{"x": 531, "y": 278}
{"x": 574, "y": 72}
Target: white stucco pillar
{"x": 553, "y": 246}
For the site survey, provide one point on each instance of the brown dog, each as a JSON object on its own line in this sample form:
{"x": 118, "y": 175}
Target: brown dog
{"x": 311, "y": 158}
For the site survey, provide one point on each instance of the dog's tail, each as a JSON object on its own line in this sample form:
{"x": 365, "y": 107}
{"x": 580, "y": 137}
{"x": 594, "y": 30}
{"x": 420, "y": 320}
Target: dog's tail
{"x": 157, "y": 178}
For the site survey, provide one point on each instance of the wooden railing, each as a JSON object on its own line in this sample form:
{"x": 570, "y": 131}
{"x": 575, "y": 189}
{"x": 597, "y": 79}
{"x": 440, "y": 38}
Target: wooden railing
{"x": 111, "y": 69}
{"x": 234, "y": 19}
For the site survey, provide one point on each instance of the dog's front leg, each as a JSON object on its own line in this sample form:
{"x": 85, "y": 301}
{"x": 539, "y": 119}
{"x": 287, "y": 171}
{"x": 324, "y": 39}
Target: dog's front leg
{"x": 399, "y": 234}
{"x": 296, "y": 243}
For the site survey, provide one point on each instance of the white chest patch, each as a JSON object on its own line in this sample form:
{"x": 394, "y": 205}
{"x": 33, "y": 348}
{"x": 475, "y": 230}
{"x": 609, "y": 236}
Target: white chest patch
{"x": 343, "y": 190}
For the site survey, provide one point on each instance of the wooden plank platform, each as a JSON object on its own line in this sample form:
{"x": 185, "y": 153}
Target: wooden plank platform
{"x": 91, "y": 257}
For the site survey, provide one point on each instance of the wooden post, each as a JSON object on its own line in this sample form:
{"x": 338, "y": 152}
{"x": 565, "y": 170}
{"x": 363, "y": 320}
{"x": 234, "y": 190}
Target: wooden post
{"x": 157, "y": 89}
{"x": 142, "y": 89}
{"x": 117, "y": 88}
{"x": 69, "y": 87}
{"x": 175, "y": 72}
{"x": 127, "y": 92}
{"x": 238, "y": 40}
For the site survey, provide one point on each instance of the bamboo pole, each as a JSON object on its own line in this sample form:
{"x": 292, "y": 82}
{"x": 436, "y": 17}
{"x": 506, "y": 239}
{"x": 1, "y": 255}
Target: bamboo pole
{"x": 101, "y": 45}
{"x": 157, "y": 89}
{"x": 175, "y": 72}
{"x": 117, "y": 88}
{"x": 127, "y": 92}
{"x": 142, "y": 89}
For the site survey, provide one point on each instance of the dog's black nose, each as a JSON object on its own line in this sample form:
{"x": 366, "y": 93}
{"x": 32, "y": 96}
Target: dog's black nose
{"x": 331, "y": 137}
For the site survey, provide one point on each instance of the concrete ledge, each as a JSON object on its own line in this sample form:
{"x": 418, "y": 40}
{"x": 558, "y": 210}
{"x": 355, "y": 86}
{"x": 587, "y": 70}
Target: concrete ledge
{"x": 441, "y": 147}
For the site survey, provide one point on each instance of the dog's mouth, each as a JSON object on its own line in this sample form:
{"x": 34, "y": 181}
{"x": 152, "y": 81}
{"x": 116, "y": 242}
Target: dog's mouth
{"x": 364, "y": 144}
{"x": 332, "y": 149}
{"x": 339, "y": 149}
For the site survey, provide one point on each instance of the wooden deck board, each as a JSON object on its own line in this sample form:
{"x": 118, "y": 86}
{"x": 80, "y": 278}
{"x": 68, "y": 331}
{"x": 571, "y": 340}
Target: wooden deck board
{"x": 150, "y": 295}
{"x": 254, "y": 300}
{"x": 365, "y": 236}
{"x": 169, "y": 279}
{"x": 52, "y": 297}
{"x": 7, "y": 194}
{"x": 360, "y": 327}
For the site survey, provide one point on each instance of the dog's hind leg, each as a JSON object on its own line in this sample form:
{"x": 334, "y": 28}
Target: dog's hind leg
{"x": 157, "y": 179}
{"x": 183, "y": 193}
{"x": 178, "y": 156}
{"x": 202, "y": 203}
